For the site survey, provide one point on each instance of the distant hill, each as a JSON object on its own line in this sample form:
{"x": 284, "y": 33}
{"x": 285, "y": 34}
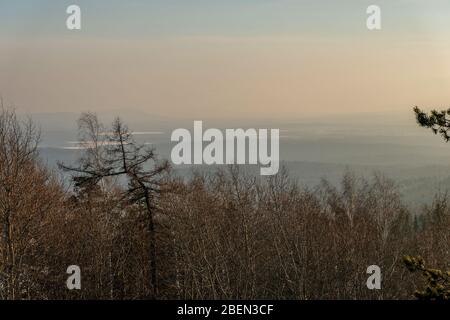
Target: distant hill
{"x": 312, "y": 149}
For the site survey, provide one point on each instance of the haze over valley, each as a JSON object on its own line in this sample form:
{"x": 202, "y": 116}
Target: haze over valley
{"x": 312, "y": 149}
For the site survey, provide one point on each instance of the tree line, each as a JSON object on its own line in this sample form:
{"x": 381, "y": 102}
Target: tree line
{"x": 138, "y": 231}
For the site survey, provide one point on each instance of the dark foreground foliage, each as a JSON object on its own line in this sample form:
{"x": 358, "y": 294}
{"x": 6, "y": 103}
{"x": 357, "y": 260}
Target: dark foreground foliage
{"x": 437, "y": 282}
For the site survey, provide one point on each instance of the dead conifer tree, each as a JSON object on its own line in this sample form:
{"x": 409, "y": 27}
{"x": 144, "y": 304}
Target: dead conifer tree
{"x": 116, "y": 154}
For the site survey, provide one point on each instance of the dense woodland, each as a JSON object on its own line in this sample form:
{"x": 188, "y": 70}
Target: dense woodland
{"x": 139, "y": 232}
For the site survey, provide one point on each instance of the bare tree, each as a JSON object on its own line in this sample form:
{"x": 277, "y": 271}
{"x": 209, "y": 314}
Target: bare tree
{"x": 29, "y": 193}
{"x": 115, "y": 154}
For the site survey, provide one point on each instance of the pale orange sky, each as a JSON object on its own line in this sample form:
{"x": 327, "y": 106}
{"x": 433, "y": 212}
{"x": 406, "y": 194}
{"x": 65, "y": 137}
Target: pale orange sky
{"x": 278, "y": 75}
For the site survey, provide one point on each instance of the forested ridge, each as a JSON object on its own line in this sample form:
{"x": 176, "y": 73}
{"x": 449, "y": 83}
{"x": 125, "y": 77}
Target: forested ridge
{"x": 139, "y": 232}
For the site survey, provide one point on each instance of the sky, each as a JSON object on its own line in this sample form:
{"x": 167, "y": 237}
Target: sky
{"x": 247, "y": 59}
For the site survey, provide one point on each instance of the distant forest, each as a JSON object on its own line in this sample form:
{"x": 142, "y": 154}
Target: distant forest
{"x": 138, "y": 232}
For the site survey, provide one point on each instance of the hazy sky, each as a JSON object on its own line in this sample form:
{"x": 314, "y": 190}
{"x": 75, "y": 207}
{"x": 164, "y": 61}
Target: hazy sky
{"x": 236, "y": 59}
